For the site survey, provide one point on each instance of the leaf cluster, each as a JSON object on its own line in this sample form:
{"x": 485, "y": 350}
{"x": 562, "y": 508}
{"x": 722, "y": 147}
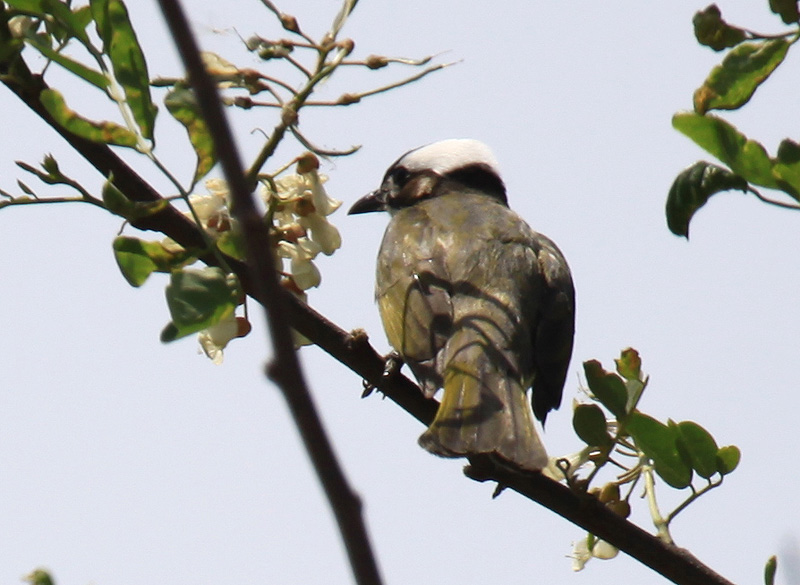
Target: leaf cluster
{"x": 617, "y": 432}
{"x": 750, "y": 59}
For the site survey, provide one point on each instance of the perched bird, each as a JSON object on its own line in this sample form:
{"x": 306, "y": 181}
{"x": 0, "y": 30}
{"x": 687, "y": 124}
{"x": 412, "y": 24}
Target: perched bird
{"x": 473, "y": 300}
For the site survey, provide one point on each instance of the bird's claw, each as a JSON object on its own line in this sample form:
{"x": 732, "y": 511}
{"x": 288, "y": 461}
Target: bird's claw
{"x": 392, "y": 364}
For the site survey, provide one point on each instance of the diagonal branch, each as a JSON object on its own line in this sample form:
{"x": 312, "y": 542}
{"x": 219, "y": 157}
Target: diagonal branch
{"x": 675, "y": 563}
{"x": 285, "y": 369}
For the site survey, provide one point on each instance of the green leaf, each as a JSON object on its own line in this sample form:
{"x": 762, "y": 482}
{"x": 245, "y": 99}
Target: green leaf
{"x": 607, "y": 387}
{"x": 10, "y": 48}
{"x": 629, "y": 364}
{"x": 50, "y": 165}
{"x": 183, "y": 106}
{"x": 130, "y": 68}
{"x": 728, "y": 459}
{"x": 659, "y": 442}
{"x": 731, "y": 84}
{"x": 691, "y": 190}
{"x": 117, "y": 203}
{"x": 589, "y": 423}
{"x": 87, "y": 73}
{"x": 786, "y": 9}
{"x": 69, "y": 23}
{"x": 786, "y": 167}
{"x": 103, "y": 132}
{"x": 39, "y": 577}
{"x": 137, "y": 259}
{"x": 770, "y": 569}
{"x": 712, "y": 31}
{"x": 701, "y": 448}
{"x": 83, "y": 16}
{"x": 198, "y": 299}
{"x": 747, "y": 158}
{"x": 231, "y": 243}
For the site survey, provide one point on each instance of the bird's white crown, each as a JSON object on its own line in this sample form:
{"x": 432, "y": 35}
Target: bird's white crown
{"x": 448, "y": 155}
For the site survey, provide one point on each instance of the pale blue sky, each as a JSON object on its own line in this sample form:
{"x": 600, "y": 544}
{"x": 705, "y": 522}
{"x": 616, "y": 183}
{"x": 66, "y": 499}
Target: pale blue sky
{"x": 124, "y": 462}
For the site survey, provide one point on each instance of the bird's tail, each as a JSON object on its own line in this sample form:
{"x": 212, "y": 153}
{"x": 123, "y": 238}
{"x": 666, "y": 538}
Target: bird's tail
{"x": 484, "y": 408}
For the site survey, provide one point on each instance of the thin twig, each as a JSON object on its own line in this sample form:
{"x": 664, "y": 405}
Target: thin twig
{"x": 42, "y": 201}
{"x": 321, "y": 151}
{"x": 285, "y": 369}
{"x": 352, "y": 98}
{"x": 694, "y": 495}
{"x": 773, "y": 201}
{"x": 284, "y": 18}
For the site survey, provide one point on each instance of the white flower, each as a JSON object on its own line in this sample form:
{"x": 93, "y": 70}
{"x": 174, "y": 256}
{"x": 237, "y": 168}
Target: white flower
{"x": 303, "y": 189}
{"x": 214, "y": 339}
{"x": 556, "y": 466}
{"x": 591, "y": 547}
{"x": 287, "y": 189}
{"x": 323, "y": 232}
{"x": 323, "y": 204}
{"x": 604, "y": 550}
{"x": 580, "y": 554}
{"x": 212, "y": 208}
{"x": 300, "y": 254}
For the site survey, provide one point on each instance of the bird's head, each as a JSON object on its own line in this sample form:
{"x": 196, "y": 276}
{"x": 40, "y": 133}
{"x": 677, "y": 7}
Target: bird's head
{"x": 427, "y": 171}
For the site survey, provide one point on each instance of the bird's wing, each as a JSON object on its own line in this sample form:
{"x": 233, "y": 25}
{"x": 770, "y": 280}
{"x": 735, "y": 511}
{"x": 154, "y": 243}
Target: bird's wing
{"x": 413, "y": 293}
{"x": 555, "y": 328}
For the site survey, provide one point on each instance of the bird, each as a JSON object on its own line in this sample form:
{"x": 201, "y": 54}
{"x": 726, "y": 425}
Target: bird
{"x": 473, "y": 300}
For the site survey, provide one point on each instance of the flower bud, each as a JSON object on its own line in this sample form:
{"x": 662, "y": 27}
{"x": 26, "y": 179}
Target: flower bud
{"x": 609, "y": 493}
{"x": 307, "y": 162}
{"x": 289, "y": 22}
{"x": 347, "y": 45}
{"x": 376, "y": 61}
{"x": 243, "y": 326}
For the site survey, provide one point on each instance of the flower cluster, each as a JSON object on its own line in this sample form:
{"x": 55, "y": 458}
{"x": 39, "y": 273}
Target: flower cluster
{"x": 297, "y": 210}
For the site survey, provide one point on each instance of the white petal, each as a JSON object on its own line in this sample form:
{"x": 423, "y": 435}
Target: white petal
{"x": 305, "y": 274}
{"x": 214, "y": 339}
{"x": 580, "y": 555}
{"x": 287, "y": 249}
{"x": 308, "y": 248}
{"x": 323, "y": 232}
{"x": 574, "y": 462}
{"x": 604, "y": 550}
{"x": 290, "y": 187}
{"x": 323, "y": 204}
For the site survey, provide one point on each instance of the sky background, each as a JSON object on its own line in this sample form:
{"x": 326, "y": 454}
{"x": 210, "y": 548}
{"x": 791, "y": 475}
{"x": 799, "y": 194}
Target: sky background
{"x": 124, "y": 461}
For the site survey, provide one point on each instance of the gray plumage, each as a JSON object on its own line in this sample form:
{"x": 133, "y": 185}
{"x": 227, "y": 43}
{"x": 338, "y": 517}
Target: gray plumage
{"x": 474, "y": 300}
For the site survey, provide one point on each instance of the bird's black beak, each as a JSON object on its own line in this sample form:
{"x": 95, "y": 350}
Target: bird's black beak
{"x": 375, "y": 201}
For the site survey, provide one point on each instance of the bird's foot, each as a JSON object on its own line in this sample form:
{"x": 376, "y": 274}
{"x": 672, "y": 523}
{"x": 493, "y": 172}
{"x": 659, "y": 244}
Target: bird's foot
{"x": 392, "y": 364}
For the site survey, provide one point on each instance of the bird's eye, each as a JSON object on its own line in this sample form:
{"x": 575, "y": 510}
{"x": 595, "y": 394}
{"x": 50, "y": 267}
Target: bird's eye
{"x": 400, "y": 177}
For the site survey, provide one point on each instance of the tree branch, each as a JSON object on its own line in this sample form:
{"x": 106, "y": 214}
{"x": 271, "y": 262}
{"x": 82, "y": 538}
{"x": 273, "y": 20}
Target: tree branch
{"x": 285, "y": 369}
{"x": 675, "y": 563}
